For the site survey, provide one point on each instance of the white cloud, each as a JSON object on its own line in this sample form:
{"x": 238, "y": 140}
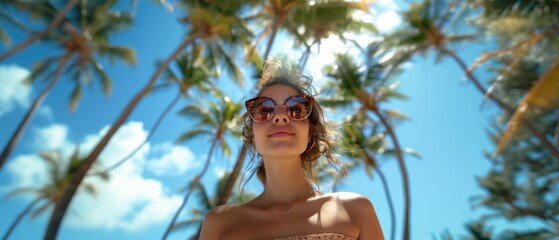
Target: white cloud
{"x": 175, "y": 161}
{"x": 328, "y": 48}
{"x": 388, "y": 21}
{"x": 219, "y": 172}
{"x": 46, "y": 112}
{"x": 13, "y": 92}
{"x": 325, "y": 55}
{"x": 387, "y": 4}
{"x": 26, "y": 170}
{"x": 128, "y": 200}
{"x": 52, "y": 137}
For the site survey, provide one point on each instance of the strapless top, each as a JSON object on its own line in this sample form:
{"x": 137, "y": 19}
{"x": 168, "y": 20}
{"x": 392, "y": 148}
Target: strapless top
{"x": 319, "y": 236}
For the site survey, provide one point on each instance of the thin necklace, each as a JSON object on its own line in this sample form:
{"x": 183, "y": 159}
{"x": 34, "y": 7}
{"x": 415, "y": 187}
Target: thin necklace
{"x": 288, "y": 211}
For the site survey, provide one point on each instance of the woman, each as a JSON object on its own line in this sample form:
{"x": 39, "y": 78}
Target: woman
{"x": 286, "y": 126}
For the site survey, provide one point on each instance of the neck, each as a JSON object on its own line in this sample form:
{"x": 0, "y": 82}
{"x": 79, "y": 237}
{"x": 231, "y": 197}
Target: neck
{"x": 285, "y": 180}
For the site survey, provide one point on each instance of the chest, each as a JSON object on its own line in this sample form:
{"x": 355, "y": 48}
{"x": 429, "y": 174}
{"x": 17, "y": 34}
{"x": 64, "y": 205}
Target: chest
{"x": 307, "y": 219}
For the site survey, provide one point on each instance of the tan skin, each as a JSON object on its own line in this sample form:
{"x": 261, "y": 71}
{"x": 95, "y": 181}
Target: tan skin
{"x": 281, "y": 141}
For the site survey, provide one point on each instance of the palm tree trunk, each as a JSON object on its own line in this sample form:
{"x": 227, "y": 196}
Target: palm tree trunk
{"x": 58, "y": 18}
{"x": 539, "y": 135}
{"x": 305, "y": 57}
{"x": 228, "y": 188}
{"x": 275, "y": 26}
{"x": 390, "y": 203}
{"x": 14, "y": 139}
{"x": 62, "y": 206}
{"x": 403, "y": 170}
{"x": 20, "y": 217}
{"x": 191, "y": 187}
{"x": 370, "y": 161}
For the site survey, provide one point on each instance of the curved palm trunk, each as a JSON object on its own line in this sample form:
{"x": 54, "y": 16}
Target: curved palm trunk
{"x": 228, "y": 188}
{"x": 62, "y": 206}
{"x": 14, "y": 139}
{"x": 390, "y": 203}
{"x": 275, "y": 27}
{"x": 539, "y": 135}
{"x": 371, "y": 161}
{"x": 304, "y": 58}
{"x": 20, "y": 217}
{"x": 403, "y": 170}
{"x": 55, "y": 22}
{"x": 191, "y": 186}
{"x": 151, "y": 132}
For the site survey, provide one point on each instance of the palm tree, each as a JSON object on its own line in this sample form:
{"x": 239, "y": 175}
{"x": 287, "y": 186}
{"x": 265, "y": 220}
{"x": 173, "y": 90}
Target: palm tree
{"x": 318, "y": 21}
{"x": 423, "y": 31}
{"x": 361, "y": 147}
{"x": 232, "y": 178}
{"x": 520, "y": 184}
{"x": 95, "y": 23}
{"x": 359, "y": 87}
{"x": 512, "y": 24}
{"x": 217, "y": 120}
{"x": 275, "y": 14}
{"x": 8, "y": 18}
{"x": 206, "y": 24}
{"x": 46, "y": 10}
{"x": 189, "y": 76}
{"x": 224, "y": 19}
{"x": 60, "y": 174}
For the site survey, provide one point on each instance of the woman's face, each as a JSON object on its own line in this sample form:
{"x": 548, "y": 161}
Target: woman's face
{"x": 281, "y": 136}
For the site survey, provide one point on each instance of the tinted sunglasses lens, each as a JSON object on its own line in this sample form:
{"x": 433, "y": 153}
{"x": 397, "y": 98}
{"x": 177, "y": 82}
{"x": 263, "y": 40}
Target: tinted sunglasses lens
{"x": 298, "y": 107}
{"x": 261, "y": 109}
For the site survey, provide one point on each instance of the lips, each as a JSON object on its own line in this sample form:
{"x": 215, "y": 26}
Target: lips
{"x": 281, "y": 132}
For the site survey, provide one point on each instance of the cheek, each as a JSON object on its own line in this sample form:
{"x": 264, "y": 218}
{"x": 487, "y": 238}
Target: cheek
{"x": 257, "y": 134}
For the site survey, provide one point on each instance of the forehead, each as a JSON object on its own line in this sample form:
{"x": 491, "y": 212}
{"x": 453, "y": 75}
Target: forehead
{"x": 279, "y": 92}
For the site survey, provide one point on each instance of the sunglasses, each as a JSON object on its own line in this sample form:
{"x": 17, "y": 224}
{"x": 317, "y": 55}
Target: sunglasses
{"x": 261, "y": 109}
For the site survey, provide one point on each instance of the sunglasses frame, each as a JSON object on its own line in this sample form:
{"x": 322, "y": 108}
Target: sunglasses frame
{"x": 249, "y": 102}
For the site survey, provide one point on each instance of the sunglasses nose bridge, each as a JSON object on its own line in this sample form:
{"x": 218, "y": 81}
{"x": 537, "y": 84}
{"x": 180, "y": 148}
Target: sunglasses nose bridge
{"x": 280, "y": 112}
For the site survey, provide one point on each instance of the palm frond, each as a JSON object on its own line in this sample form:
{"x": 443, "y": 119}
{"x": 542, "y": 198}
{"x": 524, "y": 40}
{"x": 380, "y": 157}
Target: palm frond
{"x": 204, "y": 198}
{"x": 52, "y": 159}
{"x": 541, "y": 97}
{"x": 40, "y": 68}
{"x": 225, "y": 147}
{"x": 230, "y": 65}
{"x": 194, "y": 111}
{"x": 128, "y": 55}
{"x": 193, "y": 134}
{"x": 15, "y": 22}
{"x": 89, "y": 188}
{"x": 5, "y": 38}
{"x": 22, "y": 190}
{"x": 39, "y": 210}
{"x": 106, "y": 83}
{"x": 75, "y": 96}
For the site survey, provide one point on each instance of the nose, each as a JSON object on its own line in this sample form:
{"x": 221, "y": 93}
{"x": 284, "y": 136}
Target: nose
{"x": 281, "y": 116}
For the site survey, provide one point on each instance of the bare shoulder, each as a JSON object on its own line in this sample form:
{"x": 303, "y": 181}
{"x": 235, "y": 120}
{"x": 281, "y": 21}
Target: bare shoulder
{"x": 352, "y": 199}
{"x": 218, "y": 219}
{"x": 355, "y": 204}
{"x": 362, "y": 212}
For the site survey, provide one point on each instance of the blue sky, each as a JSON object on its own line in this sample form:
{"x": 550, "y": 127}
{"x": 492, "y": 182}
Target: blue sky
{"x": 447, "y": 128}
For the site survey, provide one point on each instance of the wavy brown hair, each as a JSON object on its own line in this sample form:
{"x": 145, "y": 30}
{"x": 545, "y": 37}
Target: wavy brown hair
{"x": 320, "y": 132}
